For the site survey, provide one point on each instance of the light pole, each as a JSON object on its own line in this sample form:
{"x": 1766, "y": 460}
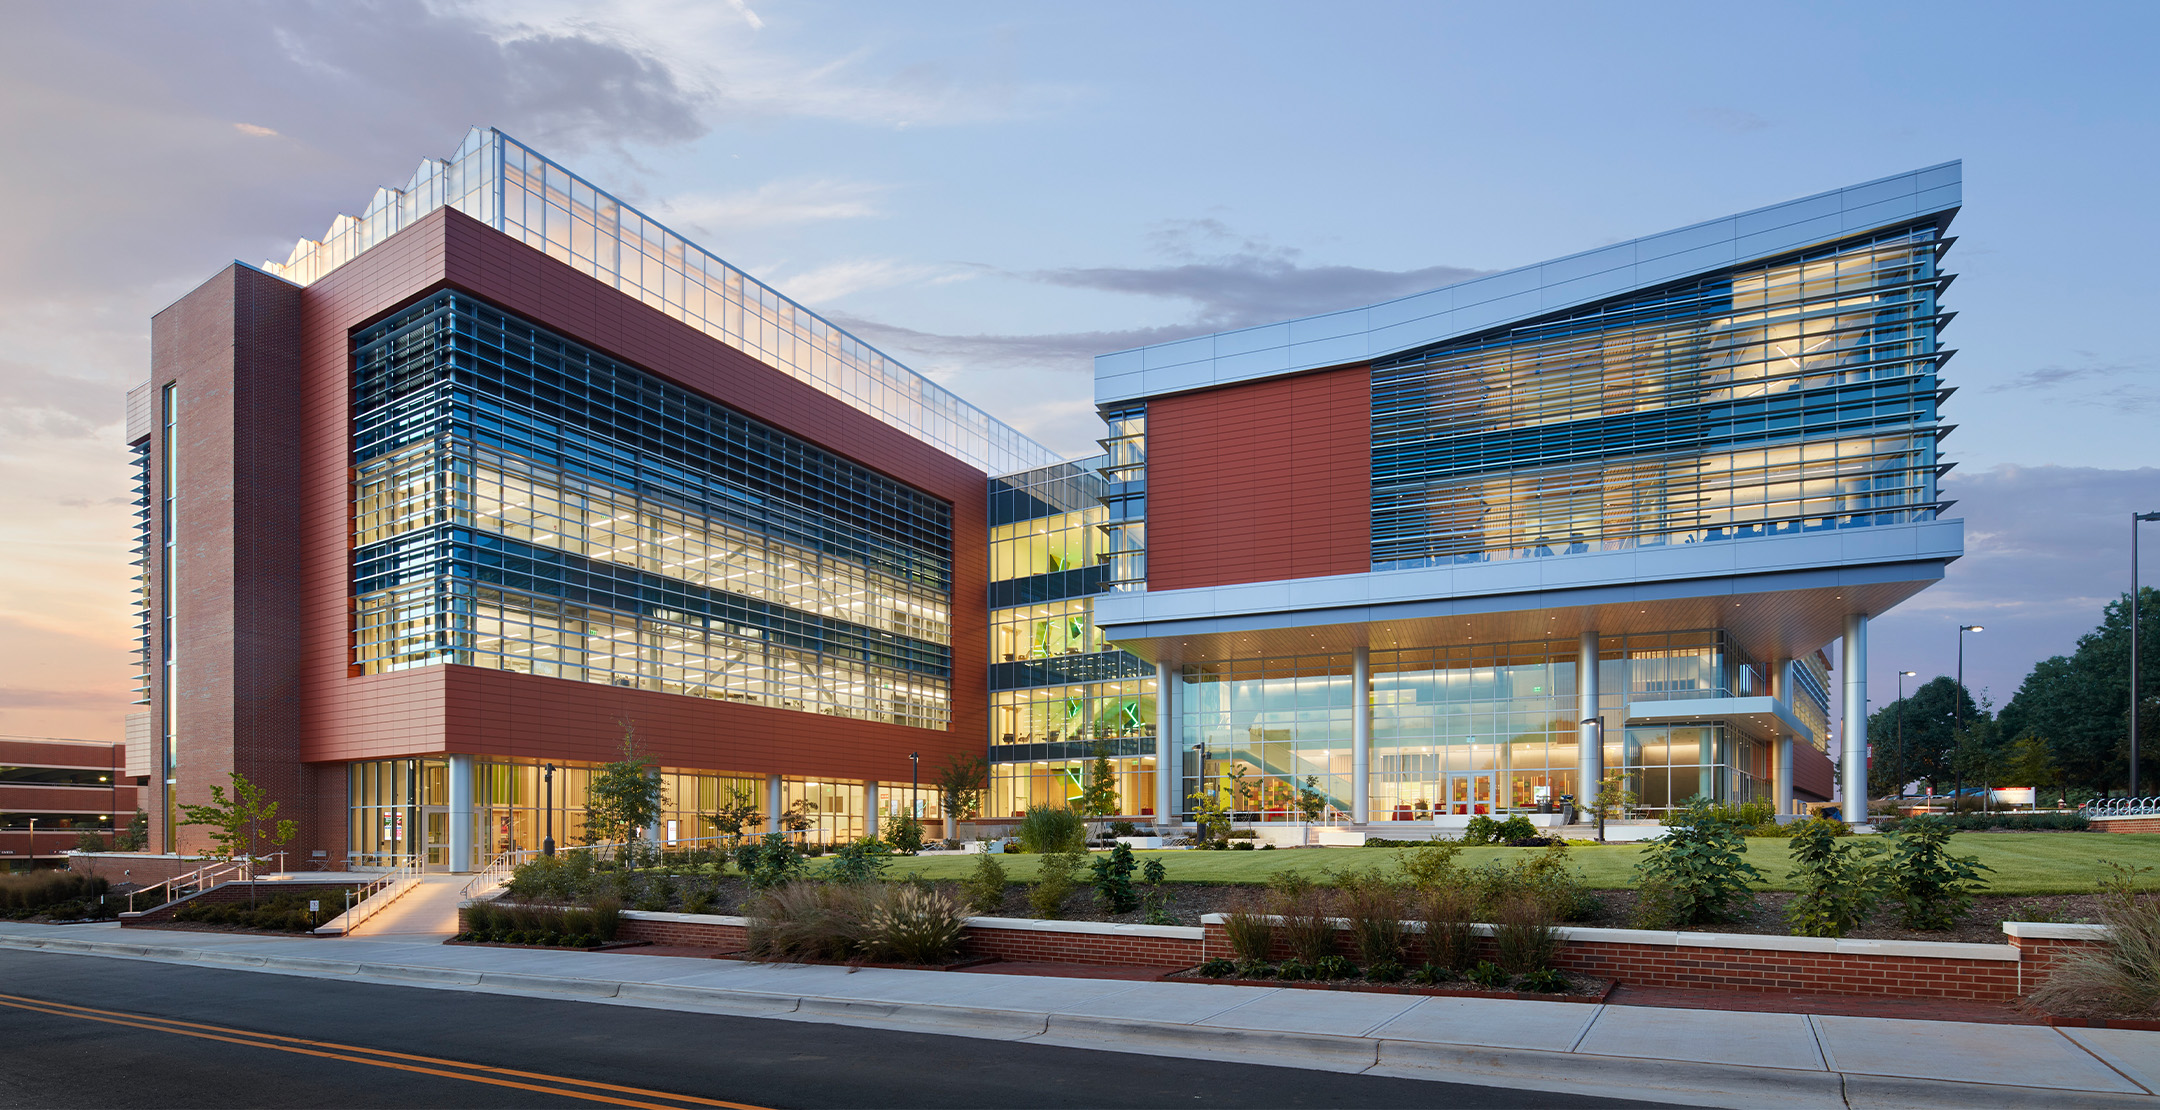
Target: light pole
{"x": 33, "y": 844}
{"x": 1957, "y": 706}
{"x": 547, "y": 775}
{"x": 2135, "y": 519}
{"x": 1901, "y": 677}
{"x": 915, "y": 784}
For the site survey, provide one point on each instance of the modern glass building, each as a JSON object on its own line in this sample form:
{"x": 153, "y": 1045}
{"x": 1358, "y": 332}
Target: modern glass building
{"x": 1469, "y": 550}
{"x": 440, "y": 512}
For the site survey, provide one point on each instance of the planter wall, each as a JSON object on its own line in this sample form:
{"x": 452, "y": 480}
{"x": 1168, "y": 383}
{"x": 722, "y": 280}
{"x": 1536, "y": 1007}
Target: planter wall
{"x": 2150, "y": 824}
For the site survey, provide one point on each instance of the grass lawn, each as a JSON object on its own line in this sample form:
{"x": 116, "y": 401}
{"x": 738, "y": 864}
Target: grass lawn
{"x": 2024, "y": 863}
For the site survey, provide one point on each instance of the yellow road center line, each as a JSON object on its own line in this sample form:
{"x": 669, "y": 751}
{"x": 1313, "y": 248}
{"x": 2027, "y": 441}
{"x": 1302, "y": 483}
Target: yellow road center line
{"x": 333, "y": 1050}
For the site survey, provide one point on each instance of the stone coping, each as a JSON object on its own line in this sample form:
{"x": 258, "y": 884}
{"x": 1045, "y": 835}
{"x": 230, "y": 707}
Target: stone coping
{"x": 1014, "y": 924}
{"x": 1923, "y": 949}
{"x": 2050, "y": 930}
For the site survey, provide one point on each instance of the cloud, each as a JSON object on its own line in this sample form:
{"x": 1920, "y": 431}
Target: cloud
{"x": 2090, "y": 383}
{"x": 836, "y": 280}
{"x": 1227, "y": 280}
{"x": 256, "y": 130}
{"x": 773, "y": 204}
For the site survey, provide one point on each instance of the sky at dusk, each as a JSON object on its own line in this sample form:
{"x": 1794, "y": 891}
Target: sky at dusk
{"x": 995, "y": 193}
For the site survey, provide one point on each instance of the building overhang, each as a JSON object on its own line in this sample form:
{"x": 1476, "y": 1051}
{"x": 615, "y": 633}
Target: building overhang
{"x": 1781, "y": 596}
{"x": 1761, "y": 715}
{"x": 1512, "y": 296}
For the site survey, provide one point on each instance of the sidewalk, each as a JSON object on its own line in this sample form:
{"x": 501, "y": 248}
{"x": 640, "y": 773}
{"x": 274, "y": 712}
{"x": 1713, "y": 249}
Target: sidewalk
{"x": 1699, "y": 1057}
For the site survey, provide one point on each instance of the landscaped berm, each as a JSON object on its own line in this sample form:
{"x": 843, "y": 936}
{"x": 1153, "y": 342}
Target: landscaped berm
{"x": 1987, "y": 915}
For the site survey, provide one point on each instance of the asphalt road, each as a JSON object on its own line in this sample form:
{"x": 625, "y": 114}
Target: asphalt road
{"x": 81, "y": 1031}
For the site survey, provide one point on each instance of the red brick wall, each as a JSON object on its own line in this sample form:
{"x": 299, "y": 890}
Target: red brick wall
{"x": 232, "y": 348}
{"x": 330, "y": 894}
{"x": 2127, "y": 824}
{"x": 1261, "y": 482}
{"x": 682, "y": 934}
{"x": 115, "y": 799}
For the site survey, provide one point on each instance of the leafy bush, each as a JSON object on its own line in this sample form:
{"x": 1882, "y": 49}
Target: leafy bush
{"x": 1333, "y": 967}
{"x": 1055, "y": 881}
{"x": 914, "y": 926}
{"x": 1934, "y": 887}
{"x": 1697, "y": 869}
{"x": 1517, "y": 827}
{"x": 1156, "y": 899}
{"x": 1047, "y": 829}
{"x": 1217, "y": 968}
{"x": 1430, "y": 975}
{"x": 1489, "y": 975}
{"x": 984, "y": 888}
{"x": 1545, "y": 876}
{"x": 1481, "y": 830}
{"x": 770, "y": 861}
{"x": 1255, "y": 969}
{"x": 861, "y": 861}
{"x": 2120, "y": 976}
{"x": 1524, "y": 935}
{"x": 1306, "y": 920}
{"x": 567, "y": 877}
{"x": 806, "y": 920}
{"x": 1241, "y": 846}
{"x": 1293, "y": 971}
{"x": 1386, "y": 971}
{"x": 1838, "y": 882}
{"x": 904, "y": 834}
{"x": 1429, "y": 865}
{"x": 1544, "y": 980}
{"x": 1450, "y": 939}
{"x": 2016, "y": 822}
{"x": 1831, "y": 825}
{"x": 1111, "y": 876}
{"x": 285, "y": 911}
{"x": 1251, "y": 934}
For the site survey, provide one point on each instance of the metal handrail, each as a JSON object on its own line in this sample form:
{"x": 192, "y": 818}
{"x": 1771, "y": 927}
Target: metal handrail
{"x": 198, "y": 878}
{"x": 491, "y": 875}
{"x": 385, "y": 889}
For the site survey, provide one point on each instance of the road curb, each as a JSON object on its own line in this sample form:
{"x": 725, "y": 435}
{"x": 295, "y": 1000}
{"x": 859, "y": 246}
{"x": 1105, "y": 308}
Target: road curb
{"x": 1727, "y": 1085}
{"x": 1218, "y": 1042}
{"x": 928, "y": 1017}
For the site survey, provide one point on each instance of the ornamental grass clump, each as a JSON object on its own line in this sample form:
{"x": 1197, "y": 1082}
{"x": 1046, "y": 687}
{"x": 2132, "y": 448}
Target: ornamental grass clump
{"x": 1525, "y": 937}
{"x": 1450, "y": 935}
{"x": 1305, "y": 917}
{"x": 913, "y": 925}
{"x": 1696, "y": 872}
{"x": 2120, "y": 976}
{"x": 1045, "y": 829}
{"x": 1250, "y": 932}
{"x": 1375, "y": 909}
{"x": 1839, "y": 884}
{"x": 1933, "y": 888}
{"x": 810, "y": 921}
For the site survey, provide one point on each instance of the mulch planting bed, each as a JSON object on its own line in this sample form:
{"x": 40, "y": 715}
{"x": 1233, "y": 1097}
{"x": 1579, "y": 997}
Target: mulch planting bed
{"x": 611, "y": 946}
{"x": 1580, "y": 988}
{"x": 1186, "y": 903}
{"x": 210, "y": 927}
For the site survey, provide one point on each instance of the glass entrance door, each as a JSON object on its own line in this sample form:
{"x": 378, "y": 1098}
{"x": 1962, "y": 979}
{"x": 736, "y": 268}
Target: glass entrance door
{"x": 1470, "y": 794}
{"x": 435, "y": 838}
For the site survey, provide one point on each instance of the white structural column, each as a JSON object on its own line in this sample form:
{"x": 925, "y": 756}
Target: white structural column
{"x": 1169, "y": 773}
{"x": 870, "y": 809}
{"x": 1361, "y": 736}
{"x": 1855, "y": 757}
{"x": 1781, "y": 688}
{"x": 772, "y": 803}
{"x": 656, "y": 833}
{"x": 461, "y": 813}
{"x": 1590, "y": 733}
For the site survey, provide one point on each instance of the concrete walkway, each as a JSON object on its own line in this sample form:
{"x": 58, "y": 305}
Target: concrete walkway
{"x": 1699, "y": 1057}
{"x": 429, "y": 909}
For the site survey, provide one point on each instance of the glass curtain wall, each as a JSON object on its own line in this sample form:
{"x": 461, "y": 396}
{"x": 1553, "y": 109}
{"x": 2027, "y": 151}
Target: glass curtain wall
{"x": 1784, "y": 398}
{"x": 524, "y": 503}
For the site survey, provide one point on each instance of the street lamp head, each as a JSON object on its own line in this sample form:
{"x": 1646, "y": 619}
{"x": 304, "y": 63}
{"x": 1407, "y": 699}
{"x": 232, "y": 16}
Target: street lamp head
{"x": 2145, "y": 516}
{"x": 1972, "y": 628}
{"x": 1910, "y": 674}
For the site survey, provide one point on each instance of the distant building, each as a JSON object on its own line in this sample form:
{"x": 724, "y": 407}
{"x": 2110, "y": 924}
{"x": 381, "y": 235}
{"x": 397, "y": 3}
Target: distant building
{"x": 53, "y": 791}
{"x": 501, "y": 469}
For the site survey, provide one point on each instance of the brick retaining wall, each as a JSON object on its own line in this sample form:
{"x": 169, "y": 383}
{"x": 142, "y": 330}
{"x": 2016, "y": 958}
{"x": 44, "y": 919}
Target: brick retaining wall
{"x": 329, "y": 893}
{"x": 2149, "y": 824}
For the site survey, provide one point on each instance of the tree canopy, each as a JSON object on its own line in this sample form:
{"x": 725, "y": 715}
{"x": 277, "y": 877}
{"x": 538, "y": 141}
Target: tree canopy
{"x": 2080, "y": 703}
{"x": 1930, "y": 716}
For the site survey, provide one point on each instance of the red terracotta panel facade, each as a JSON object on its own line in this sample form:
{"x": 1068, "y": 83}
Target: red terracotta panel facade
{"x": 298, "y": 661}
{"x": 1813, "y": 775}
{"x": 1261, "y": 482}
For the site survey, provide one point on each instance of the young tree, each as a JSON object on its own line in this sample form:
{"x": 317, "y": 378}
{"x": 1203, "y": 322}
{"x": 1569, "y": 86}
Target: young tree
{"x": 1612, "y": 802}
{"x": 739, "y": 812}
{"x": 241, "y": 826}
{"x": 960, "y": 786}
{"x": 2030, "y": 761}
{"x": 137, "y": 837}
{"x": 624, "y": 797}
{"x": 1099, "y": 797}
{"x": 1311, "y": 802}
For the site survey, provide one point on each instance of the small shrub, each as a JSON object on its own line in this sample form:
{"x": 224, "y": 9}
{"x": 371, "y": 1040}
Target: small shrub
{"x": 913, "y": 925}
{"x": 1524, "y": 936}
{"x": 1046, "y": 829}
{"x": 1544, "y": 981}
{"x": 861, "y": 861}
{"x": 1255, "y": 969}
{"x": 1517, "y": 827}
{"x": 1430, "y": 975}
{"x": 2120, "y": 976}
{"x": 698, "y": 899}
{"x": 1307, "y": 924}
{"x": 1055, "y": 881}
{"x": 1431, "y": 865}
{"x": 984, "y": 888}
{"x": 1217, "y": 968}
{"x": 1450, "y": 939}
{"x": 607, "y": 917}
{"x": 1376, "y": 912}
{"x": 1111, "y": 876}
{"x": 1698, "y": 865}
{"x": 1241, "y": 845}
{"x": 905, "y": 834}
{"x": 1385, "y": 971}
{"x": 1334, "y": 967}
{"x": 1481, "y": 830}
{"x": 770, "y": 861}
{"x": 1488, "y": 975}
{"x": 1124, "y": 828}
{"x": 1934, "y": 888}
{"x": 1838, "y": 882}
{"x": 1294, "y": 971}
{"x": 1251, "y": 934}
